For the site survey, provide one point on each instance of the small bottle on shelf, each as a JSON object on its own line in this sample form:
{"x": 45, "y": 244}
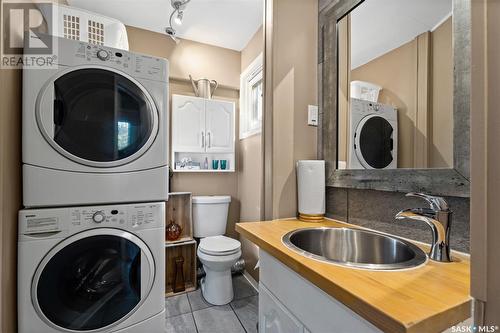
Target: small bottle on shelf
{"x": 205, "y": 164}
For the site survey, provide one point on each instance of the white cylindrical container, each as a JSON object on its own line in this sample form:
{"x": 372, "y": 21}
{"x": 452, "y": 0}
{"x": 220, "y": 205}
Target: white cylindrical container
{"x": 311, "y": 190}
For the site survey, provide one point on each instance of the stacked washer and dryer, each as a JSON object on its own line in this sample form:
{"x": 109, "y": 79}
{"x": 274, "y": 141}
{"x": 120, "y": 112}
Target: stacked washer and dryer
{"x": 95, "y": 182}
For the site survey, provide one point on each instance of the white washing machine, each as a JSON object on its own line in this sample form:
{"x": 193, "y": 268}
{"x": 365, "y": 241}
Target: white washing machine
{"x": 92, "y": 269}
{"x": 373, "y": 141}
{"x": 95, "y": 128}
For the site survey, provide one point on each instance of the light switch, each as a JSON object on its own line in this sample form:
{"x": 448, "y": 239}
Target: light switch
{"x": 312, "y": 115}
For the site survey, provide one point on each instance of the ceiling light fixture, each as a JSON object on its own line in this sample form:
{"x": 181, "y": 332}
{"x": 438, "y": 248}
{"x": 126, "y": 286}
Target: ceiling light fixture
{"x": 178, "y": 18}
{"x": 179, "y": 6}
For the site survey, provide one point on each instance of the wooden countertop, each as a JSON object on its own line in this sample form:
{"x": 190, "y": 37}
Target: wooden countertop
{"x": 428, "y": 299}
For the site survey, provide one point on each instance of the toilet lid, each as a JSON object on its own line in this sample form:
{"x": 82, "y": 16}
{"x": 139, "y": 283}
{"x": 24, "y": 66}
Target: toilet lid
{"x": 219, "y": 245}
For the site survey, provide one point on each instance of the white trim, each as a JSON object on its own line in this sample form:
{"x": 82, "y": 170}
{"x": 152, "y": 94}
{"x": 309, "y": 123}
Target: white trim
{"x": 253, "y": 71}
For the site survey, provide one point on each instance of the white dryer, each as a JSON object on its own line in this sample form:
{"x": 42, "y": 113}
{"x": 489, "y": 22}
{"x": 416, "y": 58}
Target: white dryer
{"x": 373, "y": 141}
{"x": 95, "y": 128}
{"x": 92, "y": 269}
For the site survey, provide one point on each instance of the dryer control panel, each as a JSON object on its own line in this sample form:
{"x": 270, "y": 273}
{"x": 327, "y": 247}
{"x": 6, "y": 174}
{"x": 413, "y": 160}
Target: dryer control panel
{"x": 56, "y": 221}
{"x": 75, "y": 53}
{"x": 364, "y": 108}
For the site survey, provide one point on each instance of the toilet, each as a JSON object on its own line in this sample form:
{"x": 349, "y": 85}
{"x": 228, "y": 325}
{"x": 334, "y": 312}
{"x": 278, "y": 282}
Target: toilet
{"x": 216, "y": 252}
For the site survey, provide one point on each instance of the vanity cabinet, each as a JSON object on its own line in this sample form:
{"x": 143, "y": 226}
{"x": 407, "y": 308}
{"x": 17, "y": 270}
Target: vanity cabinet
{"x": 202, "y": 129}
{"x": 274, "y": 317}
{"x": 290, "y": 303}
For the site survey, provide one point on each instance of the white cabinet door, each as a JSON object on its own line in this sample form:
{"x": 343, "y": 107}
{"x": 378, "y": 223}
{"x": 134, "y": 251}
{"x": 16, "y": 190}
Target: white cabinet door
{"x": 220, "y": 126}
{"x": 274, "y": 317}
{"x": 188, "y": 124}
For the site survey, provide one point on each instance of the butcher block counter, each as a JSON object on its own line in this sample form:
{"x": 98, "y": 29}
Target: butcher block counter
{"x": 428, "y": 298}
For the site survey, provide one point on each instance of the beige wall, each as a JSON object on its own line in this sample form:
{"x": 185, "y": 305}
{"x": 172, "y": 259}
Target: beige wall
{"x": 485, "y": 160}
{"x": 10, "y": 193}
{"x": 199, "y": 60}
{"x": 254, "y": 47}
{"x": 402, "y": 72}
{"x": 441, "y": 143}
{"x": 294, "y": 84}
{"x": 188, "y": 57}
{"x": 250, "y": 167}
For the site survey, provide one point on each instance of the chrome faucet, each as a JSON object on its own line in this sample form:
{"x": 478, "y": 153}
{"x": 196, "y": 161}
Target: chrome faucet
{"x": 438, "y": 217}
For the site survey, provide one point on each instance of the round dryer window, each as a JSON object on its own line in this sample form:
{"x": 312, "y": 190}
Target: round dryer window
{"x": 97, "y": 117}
{"x": 374, "y": 142}
{"x": 93, "y": 280}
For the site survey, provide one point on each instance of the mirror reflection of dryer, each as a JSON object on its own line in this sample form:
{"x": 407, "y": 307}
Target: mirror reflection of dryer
{"x": 373, "y": 136}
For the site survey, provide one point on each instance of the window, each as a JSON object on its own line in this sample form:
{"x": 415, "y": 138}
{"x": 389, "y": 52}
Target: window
{"x": 251, "y": 90}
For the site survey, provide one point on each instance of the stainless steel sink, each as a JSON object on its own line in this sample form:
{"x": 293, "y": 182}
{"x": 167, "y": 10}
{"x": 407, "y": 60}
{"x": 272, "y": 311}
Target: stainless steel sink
{"x": 355, "y": 248}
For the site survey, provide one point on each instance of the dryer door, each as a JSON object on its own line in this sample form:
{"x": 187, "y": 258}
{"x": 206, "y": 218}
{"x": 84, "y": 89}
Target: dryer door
{"x": 97, "y": 116}
{"x": 93, "y": 280}
{"x": 374, "y": 142}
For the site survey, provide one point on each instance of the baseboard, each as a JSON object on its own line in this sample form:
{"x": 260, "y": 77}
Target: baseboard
{"x": 251, "y": 280}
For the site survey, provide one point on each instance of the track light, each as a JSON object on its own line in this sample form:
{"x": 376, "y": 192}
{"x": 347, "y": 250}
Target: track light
{"x": 179, "y": 6}
{"x": 178, "y": 18}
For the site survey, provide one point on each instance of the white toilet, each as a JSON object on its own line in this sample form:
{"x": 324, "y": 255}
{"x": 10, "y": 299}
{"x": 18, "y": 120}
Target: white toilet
{"x": 216, "y": 252}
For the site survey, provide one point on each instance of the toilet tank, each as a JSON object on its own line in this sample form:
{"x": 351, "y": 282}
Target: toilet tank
{"x": 210, "y": 215}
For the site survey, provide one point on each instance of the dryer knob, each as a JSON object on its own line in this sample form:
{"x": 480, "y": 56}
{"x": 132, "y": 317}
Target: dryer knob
{"x": 103, "y": 55}
{"x": 98, "y": 217}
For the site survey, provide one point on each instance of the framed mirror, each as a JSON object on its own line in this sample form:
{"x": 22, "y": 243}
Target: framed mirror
{"x": 394, "y": 94}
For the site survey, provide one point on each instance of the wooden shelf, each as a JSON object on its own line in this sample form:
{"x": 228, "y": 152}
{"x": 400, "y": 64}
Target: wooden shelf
{"x": 180, "y": 240}
{"x": 188, "y": 251}
{"x": 179, "y": 209}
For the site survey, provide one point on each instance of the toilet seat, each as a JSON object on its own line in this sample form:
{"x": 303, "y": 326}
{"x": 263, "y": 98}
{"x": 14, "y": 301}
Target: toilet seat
{"x": 219, "y": 246}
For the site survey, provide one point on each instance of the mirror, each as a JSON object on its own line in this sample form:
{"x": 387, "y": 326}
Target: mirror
{"x": 395, "y": 95}
{"x": 395, "y": 85}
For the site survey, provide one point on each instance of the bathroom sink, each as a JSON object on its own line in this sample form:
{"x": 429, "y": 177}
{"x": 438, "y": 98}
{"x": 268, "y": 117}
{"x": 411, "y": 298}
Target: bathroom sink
{"x": 355, "y": 248}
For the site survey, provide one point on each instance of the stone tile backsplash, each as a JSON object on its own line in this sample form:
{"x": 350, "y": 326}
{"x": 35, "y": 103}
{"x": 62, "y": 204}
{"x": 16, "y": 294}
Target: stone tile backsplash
{"x": 376, "y": 210}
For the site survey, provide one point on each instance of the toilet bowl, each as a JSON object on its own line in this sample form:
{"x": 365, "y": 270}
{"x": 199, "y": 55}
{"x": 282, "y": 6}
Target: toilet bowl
{"x": 216, "y": 252}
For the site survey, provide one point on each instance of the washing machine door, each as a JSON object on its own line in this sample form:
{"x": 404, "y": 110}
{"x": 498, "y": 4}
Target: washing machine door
{"x": 93, "y": 280}
{"x": 374, "y": 142}
{"x": 97, "y": 116}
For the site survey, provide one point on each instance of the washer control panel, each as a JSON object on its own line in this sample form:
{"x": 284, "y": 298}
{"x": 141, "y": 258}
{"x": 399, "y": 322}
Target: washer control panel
{"x": 53, "y": 221}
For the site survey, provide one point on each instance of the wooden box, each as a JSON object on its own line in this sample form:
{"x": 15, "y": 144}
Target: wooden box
{"x": 188, "y": 251}
{"x": 179, "y": 209}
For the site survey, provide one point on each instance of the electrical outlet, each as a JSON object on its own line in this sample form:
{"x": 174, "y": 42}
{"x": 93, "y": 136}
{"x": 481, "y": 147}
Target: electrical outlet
{"x": 312, "y": 115}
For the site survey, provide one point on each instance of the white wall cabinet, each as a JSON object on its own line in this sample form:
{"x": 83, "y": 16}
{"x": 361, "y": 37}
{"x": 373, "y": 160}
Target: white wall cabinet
{"x": 188, "y": 125}
{"x": 202, "y": 129}
{"x": 219, "y": 126}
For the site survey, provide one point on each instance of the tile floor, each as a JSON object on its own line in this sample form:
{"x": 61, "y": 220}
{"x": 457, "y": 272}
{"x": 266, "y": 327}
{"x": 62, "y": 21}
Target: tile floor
{"x": 190, "y": 313}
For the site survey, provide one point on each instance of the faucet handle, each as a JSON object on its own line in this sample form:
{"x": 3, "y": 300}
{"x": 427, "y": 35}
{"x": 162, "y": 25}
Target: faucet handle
{"x": 436, "y": 203}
